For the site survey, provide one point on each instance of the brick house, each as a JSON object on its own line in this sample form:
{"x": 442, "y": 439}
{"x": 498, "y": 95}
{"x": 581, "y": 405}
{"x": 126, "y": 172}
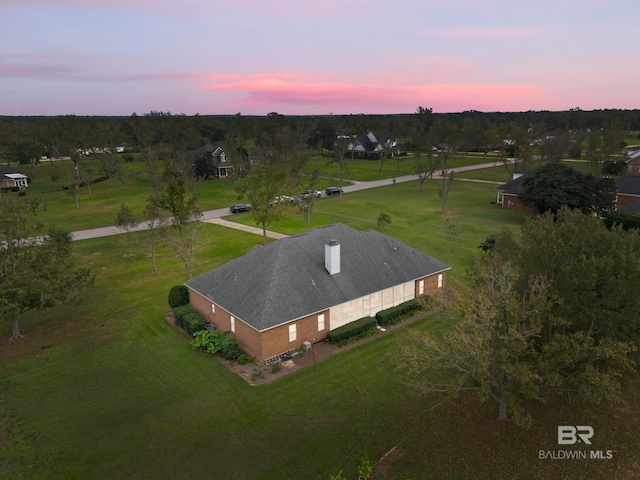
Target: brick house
{"x": 628, "y": 190}
{"x": 295, "y": 290}
{"x": 12, "y": 178}
{"x": 633, "y": 161}
{"x": 508, "y": 193}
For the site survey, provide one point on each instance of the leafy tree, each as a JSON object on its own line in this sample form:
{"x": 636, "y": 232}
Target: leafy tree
{"x": 489, "y": 243}
{"x": 308, "y": 200}
{"x": 452, "y": 229}
{"x": 556, "y": 185}
{"x": 29, "y": 152}
{"x": 508, "y": 344}
{"x": 593, "y": 271}
{"x": 156, "y": 231}
{"x": 35, "y": 272}
{"x": 626, "y": 220}
{"x": 424, "y": 168}
{"x": 204, "y": 166}
{"x": 126, "y": 220}
{"x": 383, "y": 220}
{"x": 175, "y": 197}
{"x": 265, "y": 182}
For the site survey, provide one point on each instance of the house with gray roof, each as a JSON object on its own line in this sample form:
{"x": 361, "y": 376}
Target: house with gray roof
{"x": 632, "y": 159}
{"x": 217, "y": 158}
{"x": 12, "y": 178}
{"x": 277, "y": 297}
{"x": 508, "y": 193}
{"x": 628, "y": 190}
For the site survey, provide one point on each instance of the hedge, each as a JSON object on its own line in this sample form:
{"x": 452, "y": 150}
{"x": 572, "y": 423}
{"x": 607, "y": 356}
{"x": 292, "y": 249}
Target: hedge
{"x": 188, "y": 319}
{"x": 230, "y": 349}
{"x": 392, "y": 315}
{"x": 193, "y": 322}
{"x": 351, "y": 329}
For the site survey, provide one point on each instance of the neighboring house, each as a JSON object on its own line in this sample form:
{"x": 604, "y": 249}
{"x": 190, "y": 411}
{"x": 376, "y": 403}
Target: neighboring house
{"x": 631, "y": 208}
{"x": 11, "y": 178}
{"x": 378, "y": 143}
{"x": 633, "y": 162}
{"x": 373, "y": 144}
{"x": 508, "y": 193}
{"x": 218, "y": 156}
{"x": 276, "y": 298}
{"x": 628, "y": 190}
{"x": 350, "y": 145}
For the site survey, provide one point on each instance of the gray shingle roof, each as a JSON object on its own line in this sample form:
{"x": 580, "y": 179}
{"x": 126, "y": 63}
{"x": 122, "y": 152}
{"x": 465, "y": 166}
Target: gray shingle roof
{"x": 629, "y": 185}
{"x": 513, "y": 187}
{"x": 4, "y": 170}
{"x": 287, "y": 279}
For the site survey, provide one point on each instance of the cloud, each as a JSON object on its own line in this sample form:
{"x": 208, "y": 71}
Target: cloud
{"x": 272, "y": 92}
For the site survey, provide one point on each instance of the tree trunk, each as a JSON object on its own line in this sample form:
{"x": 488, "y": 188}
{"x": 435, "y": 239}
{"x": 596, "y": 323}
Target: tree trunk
{"x": 502, "y": 410}
{"x": 16, "y": 329}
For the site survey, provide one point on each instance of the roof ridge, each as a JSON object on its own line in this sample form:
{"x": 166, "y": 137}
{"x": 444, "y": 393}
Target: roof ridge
{"x": 274, "y": 267}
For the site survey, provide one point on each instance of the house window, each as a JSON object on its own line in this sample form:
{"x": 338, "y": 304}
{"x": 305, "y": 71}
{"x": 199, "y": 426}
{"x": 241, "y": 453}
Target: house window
{"x": 233, "y": 324}
{"x": 292, "y": 332}
{"x": 440, "y": 280}
{"x": 421, "y": 287}
{"x": 321, "y": 322}
{"x": 213, "y": 308}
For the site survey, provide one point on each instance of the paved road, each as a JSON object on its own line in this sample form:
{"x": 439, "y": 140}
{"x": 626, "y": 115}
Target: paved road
{"x": 223, "y": 212}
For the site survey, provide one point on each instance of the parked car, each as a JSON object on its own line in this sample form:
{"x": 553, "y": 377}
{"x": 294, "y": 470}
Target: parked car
{"x": 308, "y": 193}
{"x": 240, "y": 207}
{"x": 333, "y": 191}
{"x": 282, "y": 199}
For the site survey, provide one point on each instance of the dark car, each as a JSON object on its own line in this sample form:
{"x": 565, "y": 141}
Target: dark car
{"x": 240, "y": 207}
{"x": 333, "y": 191}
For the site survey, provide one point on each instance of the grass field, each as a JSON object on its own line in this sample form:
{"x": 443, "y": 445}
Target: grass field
{"x": 108, "y": 389}
{"x": 365, "y": 170}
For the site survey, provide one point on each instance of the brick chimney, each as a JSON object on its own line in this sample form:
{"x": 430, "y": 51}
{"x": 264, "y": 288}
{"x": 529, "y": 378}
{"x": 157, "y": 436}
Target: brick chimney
{"x": 332, "y": 257}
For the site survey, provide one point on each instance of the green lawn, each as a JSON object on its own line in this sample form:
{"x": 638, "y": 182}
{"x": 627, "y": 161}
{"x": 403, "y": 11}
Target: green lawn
{"x": 100, "y": 208}
{"x": 108, "y": 389}
{"x": 365, "y": 170}
{"x": 416, "y": 217}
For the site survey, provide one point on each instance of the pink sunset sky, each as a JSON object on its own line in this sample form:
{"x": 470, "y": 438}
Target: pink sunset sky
{"x": 303, "y": 57}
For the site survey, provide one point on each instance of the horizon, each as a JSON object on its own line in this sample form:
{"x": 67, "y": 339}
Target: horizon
{"x": 373, "y": 57}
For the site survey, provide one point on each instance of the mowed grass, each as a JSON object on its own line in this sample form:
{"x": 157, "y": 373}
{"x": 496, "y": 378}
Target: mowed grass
{"x": 417, "y": 218}
{"x": 108, "y": 389}
{"x": 365, "y": 170}
{"x": 100, "y": 207}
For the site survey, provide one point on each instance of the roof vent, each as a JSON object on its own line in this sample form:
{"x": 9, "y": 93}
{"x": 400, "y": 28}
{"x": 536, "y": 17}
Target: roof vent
{"x": 332, "y": 257}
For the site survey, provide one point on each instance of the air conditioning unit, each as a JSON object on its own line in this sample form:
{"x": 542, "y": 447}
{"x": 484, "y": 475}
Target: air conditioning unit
{"x": 306, "y": 346}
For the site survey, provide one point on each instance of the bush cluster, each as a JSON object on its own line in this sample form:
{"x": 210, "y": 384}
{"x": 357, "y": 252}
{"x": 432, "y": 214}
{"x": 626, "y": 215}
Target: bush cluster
{"x": 351, "y": 329}
{"x": 178, "y": 296}
{"x": 212, "y": 341}
{"x": 393, "y": 315}
{"x": 10, "y": 189}
{"x": 188, "y": 319}
{"x": 366, "y": 333}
